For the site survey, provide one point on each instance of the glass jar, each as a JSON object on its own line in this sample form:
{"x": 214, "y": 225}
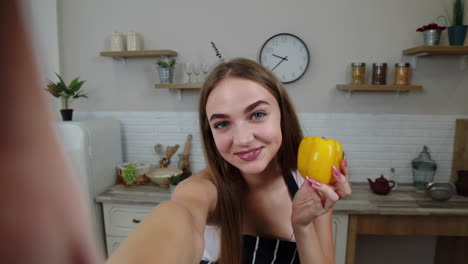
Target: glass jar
{"x": 133, "y": 41}
{"x": 117, "y": 42}
{"x": 379, "y": 73}
{"x": 424, "y": 169}
{"x": 402, "y": 73}
{"x": 358, "y": 73}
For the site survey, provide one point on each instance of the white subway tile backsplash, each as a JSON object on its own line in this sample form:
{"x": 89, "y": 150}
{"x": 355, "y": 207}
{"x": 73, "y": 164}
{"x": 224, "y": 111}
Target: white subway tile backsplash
{"x": 372, "y": 143}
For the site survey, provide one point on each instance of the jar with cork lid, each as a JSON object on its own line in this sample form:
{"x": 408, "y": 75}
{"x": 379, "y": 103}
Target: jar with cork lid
{"x": 402, "y": 73}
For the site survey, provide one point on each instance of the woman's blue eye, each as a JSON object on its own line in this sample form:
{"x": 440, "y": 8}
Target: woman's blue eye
{"x": 222, "y": 124}
{"x": 258, "y": 115}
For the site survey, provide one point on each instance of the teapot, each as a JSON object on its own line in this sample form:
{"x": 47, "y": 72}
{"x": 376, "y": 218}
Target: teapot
{"x": 381, "y": 185}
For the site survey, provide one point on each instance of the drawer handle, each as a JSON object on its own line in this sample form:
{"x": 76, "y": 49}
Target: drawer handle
{"x": 136, "y": 221}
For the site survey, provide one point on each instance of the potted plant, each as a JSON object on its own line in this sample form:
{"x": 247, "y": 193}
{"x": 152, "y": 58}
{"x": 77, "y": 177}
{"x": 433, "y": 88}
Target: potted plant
{"x": 166, "y": 70}
{"x": 174, "y": 180}
{"x": 67, "y": 94}
{"x": 457, "y": 30}
{"x": 431, "y": 33}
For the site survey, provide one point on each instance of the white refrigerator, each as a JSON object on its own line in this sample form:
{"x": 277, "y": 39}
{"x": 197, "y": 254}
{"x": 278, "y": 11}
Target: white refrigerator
{"x": 94, "y": 148}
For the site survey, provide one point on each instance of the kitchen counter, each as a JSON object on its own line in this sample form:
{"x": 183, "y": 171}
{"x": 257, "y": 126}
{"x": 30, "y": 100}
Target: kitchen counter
{"x": 149, "y": 194}
{"x": 406, "y": 200}
{"x": 404, "y": 211}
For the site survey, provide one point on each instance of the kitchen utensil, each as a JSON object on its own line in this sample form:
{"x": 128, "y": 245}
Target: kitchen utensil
{"x": 161, "y": 176}
{"x": 184, "y": 158}
{"x": 440, "y": 191}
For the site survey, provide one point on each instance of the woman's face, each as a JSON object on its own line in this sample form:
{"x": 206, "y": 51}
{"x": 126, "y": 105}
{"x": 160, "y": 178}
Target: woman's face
{"x": 245, "y": 121}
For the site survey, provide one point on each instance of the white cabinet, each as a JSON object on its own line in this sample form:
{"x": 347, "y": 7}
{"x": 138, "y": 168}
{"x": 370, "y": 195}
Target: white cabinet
{"x": 120, "y": 220}
{"x": 113, "y": 242}
{"x": 340, "y": 236}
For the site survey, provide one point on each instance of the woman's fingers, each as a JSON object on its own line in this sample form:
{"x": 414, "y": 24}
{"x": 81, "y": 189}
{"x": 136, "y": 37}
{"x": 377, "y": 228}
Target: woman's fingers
{"x": 342, "y": 185}
{"x": 344, "y": 166}
{"x": 329, "y": 196}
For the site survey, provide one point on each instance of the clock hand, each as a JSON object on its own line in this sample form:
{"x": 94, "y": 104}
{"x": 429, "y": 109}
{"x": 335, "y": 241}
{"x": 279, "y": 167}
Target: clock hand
{"x": 283, "y": 59}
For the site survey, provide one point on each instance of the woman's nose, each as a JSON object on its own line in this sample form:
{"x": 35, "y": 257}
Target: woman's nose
{"x": 242, "y": 136}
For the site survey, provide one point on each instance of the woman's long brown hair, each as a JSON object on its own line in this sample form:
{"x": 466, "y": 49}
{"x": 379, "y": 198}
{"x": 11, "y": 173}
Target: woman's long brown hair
{"x": 229, "y": 182}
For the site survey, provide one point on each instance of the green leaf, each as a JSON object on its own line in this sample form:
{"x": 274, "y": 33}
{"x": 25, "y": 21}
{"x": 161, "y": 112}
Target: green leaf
{"x": 61, "y": 90}
{"x": 53, "y": 89}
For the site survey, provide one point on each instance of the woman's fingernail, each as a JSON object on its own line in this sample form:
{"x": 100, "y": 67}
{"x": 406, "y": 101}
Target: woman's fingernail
{"x": 314, "y": 182}
{"x": 336, "y": 173}
{"x": 308, "y": 181}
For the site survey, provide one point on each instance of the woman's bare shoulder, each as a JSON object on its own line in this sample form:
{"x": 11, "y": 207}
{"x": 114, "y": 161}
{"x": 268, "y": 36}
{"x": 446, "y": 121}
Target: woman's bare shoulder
{"x": 198, "y": 187}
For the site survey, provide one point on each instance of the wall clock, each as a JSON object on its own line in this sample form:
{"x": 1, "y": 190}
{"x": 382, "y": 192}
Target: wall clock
{"x": 286, "y": 55}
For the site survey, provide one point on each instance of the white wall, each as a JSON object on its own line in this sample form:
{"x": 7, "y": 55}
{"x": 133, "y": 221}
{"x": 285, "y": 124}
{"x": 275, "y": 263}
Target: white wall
{"x": 42, "y": 21}
{"x": 337, "y": 33}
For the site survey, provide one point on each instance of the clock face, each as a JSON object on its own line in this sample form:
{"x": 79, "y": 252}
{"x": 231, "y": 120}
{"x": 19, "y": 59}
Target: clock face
{"x": 286, "y": 56}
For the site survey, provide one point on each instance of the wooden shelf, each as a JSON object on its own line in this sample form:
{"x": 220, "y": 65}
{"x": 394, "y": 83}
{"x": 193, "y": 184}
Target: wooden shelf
{"x": 139, "y": 53}
{"x": 437, "y": 50}
{"x": 179, "y": 85}
{"x": 378, "y": 88}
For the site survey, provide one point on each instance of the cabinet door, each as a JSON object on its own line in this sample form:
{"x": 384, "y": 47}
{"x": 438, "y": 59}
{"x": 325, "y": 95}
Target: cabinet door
{"x": 121, "y": 219}
{"x": 340, "y": 236}
{"x": 113, "y": 242}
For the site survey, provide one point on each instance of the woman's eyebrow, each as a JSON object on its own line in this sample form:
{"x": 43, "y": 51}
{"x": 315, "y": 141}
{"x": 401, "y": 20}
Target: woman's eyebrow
{"x": 247, "y": 109}
{"x": 254, "y": 105}
{"x": 217, "y": 116}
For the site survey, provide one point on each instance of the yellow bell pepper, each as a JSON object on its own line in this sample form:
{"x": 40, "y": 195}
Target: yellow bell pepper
{"x": 316, "y": 156}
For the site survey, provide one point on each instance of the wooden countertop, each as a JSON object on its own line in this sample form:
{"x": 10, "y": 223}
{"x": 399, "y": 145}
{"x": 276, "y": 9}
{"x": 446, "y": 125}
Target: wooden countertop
{"x": 405, "y": 200}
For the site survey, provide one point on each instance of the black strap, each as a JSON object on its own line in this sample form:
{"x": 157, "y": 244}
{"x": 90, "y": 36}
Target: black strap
{"x": 291, "y": 183}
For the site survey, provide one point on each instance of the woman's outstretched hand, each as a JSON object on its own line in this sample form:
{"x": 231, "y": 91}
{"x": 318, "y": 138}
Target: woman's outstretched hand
{"x": 314, "y": 199}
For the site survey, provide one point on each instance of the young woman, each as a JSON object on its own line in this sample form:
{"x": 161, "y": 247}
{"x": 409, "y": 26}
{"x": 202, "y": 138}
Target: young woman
{"x": 250, "y": 199}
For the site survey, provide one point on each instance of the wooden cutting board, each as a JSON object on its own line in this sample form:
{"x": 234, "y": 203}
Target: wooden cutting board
{"x": 460, "y": 148}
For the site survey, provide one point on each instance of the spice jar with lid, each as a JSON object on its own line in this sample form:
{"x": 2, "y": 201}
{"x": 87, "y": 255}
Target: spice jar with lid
{"x": 379, "y": 73}
{"x": 358, "y": 73}
{"x": 402, "y": 73}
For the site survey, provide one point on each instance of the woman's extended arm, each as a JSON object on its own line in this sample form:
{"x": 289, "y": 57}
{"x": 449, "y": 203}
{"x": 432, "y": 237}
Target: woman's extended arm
{"x": 44, "y": 220}
{"x": 312, "y": 217}
{"x": 323, "y": 223}
{"x": 173, "y": 231}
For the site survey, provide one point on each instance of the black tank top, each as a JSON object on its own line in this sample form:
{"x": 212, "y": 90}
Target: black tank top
{"x": 260, "y": 250}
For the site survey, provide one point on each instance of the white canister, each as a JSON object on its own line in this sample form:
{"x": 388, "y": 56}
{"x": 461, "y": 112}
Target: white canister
{"x": 117, "y": 42}
{"x": 133, "y": 41}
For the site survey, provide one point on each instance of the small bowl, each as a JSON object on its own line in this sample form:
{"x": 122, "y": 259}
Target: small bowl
{"x": 440, "y": 191}
{"x": 161, "y": 176}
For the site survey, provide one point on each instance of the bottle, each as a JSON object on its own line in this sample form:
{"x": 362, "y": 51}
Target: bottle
{"x": 402, "y": 73}
{"x": 379, "y": 73}
{"x": 358, "y": 73}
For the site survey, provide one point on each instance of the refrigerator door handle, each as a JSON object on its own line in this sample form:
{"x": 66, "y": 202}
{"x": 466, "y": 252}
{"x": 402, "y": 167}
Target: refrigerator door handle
{"x": 136, "y": 221}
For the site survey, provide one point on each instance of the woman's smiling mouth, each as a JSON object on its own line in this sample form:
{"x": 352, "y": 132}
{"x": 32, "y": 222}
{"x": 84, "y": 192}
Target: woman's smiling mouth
{"x": 250, "y": 154}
